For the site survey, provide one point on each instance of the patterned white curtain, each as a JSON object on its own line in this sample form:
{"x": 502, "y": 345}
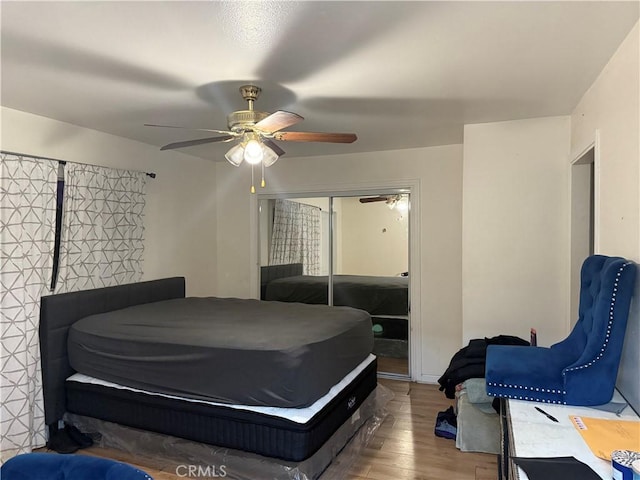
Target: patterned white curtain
{"x": 296, "y": 236}
{"x": 102, "y": 229}
{"x": 27, "y": 225}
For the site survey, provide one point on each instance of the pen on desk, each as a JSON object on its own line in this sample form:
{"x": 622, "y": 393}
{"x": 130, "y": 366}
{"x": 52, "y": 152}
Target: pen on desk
{"x": 550, "y": 417}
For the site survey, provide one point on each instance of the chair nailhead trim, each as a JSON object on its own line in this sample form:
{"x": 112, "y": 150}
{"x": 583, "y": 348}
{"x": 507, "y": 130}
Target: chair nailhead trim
{"x": 518, "y": 397}
{"x": 609, "y": 324}
{"x": 524, "y": 387}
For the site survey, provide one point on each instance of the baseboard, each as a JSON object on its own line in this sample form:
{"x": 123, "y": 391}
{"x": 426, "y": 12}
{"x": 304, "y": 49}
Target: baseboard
{"x": 432, "y": 379}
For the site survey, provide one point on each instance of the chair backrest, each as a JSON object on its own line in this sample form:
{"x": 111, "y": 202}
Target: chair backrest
{"x": 605, "y": 295}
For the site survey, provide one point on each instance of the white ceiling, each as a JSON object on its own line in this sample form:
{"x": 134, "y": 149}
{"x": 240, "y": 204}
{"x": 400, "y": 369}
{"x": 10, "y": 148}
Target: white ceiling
{"x": 398, "y": 74}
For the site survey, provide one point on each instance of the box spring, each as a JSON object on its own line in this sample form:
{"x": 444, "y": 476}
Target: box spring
{"x": 222, "y": 426}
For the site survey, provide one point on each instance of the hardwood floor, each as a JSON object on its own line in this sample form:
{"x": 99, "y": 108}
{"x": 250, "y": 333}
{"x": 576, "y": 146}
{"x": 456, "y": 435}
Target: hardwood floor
{"x": 393, "y": 365}
{"x": 403, "y": 448}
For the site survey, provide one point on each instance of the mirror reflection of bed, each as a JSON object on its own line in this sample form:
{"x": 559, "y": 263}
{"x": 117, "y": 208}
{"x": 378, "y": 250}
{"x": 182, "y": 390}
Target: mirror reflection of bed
{"x": 343, "y": 251}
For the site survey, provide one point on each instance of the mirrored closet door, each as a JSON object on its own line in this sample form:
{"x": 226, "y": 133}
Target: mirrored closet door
{"x": 350, "y": 250}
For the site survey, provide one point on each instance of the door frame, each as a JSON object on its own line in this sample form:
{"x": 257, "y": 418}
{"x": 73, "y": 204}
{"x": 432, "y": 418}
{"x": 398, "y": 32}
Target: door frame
{"x": 410, "y": 186}
{"x": 590, "y": 155}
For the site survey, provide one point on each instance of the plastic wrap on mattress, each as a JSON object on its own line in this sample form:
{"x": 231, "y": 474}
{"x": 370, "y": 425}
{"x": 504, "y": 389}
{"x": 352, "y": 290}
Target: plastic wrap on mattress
{"x": 181, "y": 457}
{"x": 239, "y": 428}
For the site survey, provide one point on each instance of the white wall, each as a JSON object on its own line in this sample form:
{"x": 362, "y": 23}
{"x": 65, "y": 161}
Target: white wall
{"x": 375, "y": 239}
{"x": 611, "y": 107}
{"x": 438, "y": 171}
{"x": 180, "y": 213}
{"x": 515, "y": 229}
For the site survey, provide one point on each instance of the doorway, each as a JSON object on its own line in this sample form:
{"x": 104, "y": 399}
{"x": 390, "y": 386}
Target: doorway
{"x": 354, "y": 249}
{"x": 583, "y": 220}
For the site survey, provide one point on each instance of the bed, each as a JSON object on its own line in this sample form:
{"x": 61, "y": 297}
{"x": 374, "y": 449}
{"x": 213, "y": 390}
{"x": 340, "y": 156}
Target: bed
{"x": 74, "y": 327}
{"x": 385, "y": 298}
{"x": 374, "y": 294}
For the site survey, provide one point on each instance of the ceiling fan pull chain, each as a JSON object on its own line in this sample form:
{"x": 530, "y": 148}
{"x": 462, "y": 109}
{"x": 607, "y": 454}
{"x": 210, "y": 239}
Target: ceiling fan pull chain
{"x": 262, "y": 184}
{"x": 253, "y": 188}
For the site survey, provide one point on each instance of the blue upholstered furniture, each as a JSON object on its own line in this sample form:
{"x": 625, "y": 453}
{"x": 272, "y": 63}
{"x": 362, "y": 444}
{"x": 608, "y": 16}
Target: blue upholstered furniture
{"x": 52, "y": 466}
{"x": 582, "y": 369}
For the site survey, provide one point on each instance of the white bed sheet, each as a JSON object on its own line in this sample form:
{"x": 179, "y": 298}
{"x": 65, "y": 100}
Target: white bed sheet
{"x": 298, "y": 415}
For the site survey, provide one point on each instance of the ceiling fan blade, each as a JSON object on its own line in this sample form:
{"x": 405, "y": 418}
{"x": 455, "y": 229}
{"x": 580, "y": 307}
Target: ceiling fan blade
{"x": 277, "y": 121}
{"x": 273, "y": 146}
{"x": 188, "y": 128}
{"x": 200, "y": 141}
{"x": 373, "y": 199}
{"x": 316, "y": 137}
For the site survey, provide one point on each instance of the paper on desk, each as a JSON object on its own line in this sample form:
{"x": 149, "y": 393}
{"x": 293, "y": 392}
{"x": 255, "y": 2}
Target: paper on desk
{"x": 604, "y": 436}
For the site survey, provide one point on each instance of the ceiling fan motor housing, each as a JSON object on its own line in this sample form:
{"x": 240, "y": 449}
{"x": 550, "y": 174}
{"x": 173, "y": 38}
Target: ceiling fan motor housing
{"x": 243, "y": 120}
{"x": 240, "y": 120}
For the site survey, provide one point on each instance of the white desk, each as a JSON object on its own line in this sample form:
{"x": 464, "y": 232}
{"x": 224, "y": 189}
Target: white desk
{"x": 532, "y": 434}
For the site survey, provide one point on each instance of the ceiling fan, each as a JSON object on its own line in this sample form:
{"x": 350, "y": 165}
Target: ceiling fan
{"x": 392, "y": 201}
{"x": 379, "y": 198}
{"x": 255, "y": 132}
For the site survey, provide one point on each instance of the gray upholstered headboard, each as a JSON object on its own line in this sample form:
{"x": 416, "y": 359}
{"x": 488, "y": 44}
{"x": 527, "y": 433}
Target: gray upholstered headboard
{"x": 273, "y": 272}
{"x": 59, "y": 312}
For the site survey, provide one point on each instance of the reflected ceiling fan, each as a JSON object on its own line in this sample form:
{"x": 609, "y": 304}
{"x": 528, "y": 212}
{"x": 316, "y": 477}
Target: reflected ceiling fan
{"x": 392, "y": 201}
{"x": 255, "y": 131}
{"x": 378, "y": 198}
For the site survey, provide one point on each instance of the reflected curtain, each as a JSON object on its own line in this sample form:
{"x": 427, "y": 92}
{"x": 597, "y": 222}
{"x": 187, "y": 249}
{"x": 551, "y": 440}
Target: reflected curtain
{"x": 296, "y": 236}
{"x": 102, "y": 229}
{"x": 27, "y": 225}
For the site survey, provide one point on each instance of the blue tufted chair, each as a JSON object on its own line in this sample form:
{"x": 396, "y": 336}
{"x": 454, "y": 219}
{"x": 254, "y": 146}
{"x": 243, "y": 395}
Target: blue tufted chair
{"x": 52, "y": 466}
{"x": 582, "y": 369}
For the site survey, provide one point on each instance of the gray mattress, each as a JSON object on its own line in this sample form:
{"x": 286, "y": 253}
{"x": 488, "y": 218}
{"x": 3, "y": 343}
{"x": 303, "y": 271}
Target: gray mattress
{"x": 376, "y": 295}
{"x": 224, "y": 349}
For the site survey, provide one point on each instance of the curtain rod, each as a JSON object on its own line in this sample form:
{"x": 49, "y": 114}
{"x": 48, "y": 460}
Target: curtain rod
{"x": 64, "y": 162}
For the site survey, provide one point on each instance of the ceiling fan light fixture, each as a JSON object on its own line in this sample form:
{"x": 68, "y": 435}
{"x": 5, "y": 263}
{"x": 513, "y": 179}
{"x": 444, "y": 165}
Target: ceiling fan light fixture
{"x": 253, "y": 152}
{"x": 235, "y": 155}
{"x": 270, "y": 157}
{"x": 398, "y": 202}
{"x": 402, "y": 205}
